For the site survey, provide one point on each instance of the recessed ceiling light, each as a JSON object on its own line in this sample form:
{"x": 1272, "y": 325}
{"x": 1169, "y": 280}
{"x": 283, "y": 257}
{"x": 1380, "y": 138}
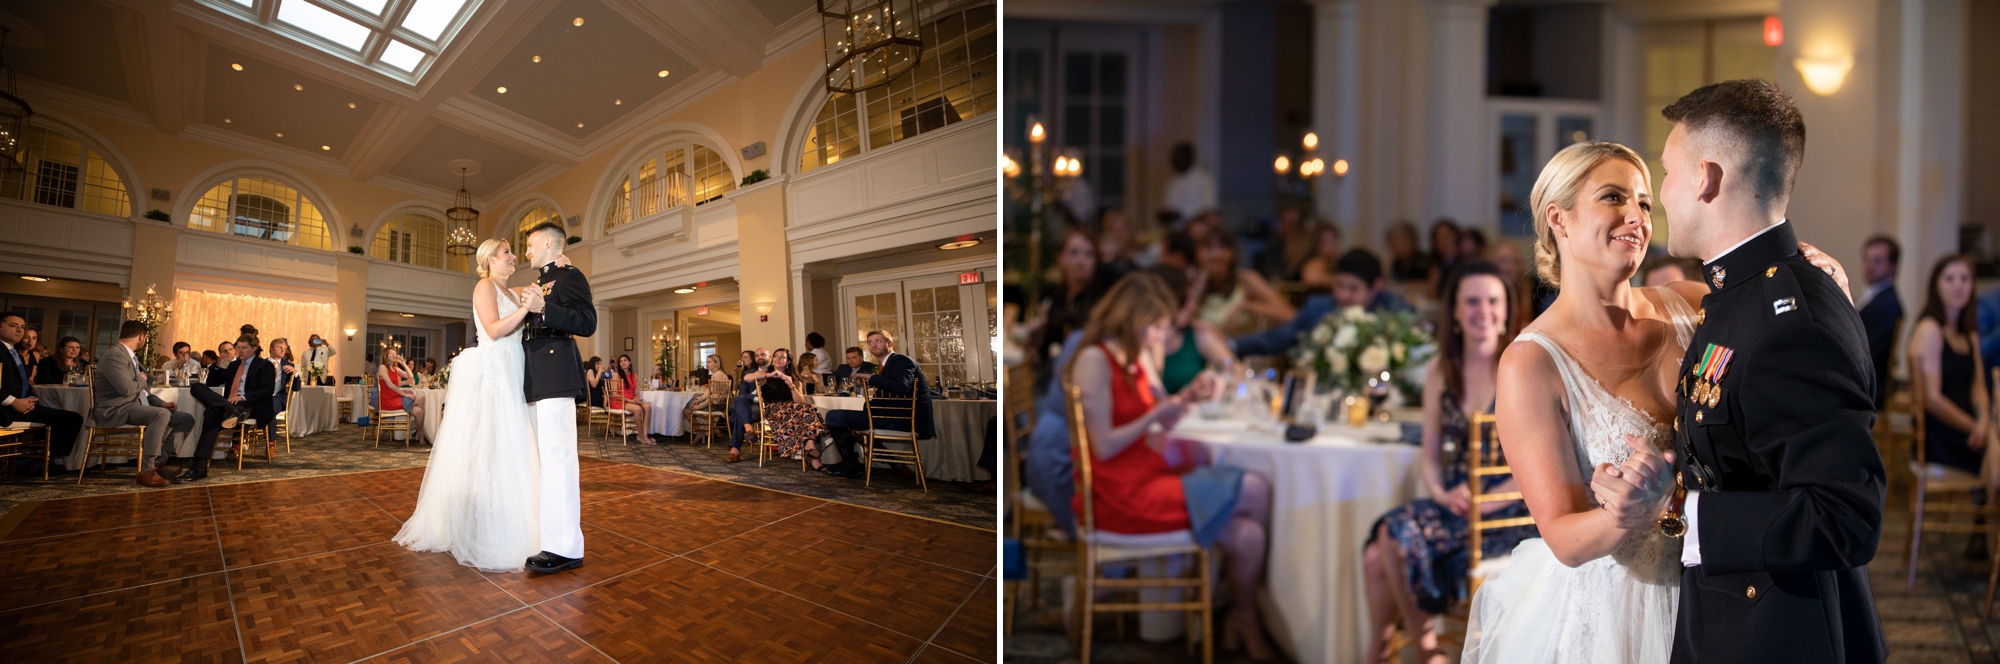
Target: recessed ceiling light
{"x": 31, "y": 277}
{"x": 298, "y": 87}
{"x": 535, "y": 59}
{"x": 663, "y": 73}
{"x": 236, "y": 66}
{"x": 408, "y": 315}
{"x": 350, "y": 104}
{"x": 684, "y": 290}
{"x": 961, "y": 244}
{"x": 326, "y": 147}
{"x": 281, "y": 134}
{"x": 578, "y": 22}
{"x": 579, "y": 125}
{"x": 227, "y": 121}
{"x": 503, "y": 89}
{"x": 617, "y": 102}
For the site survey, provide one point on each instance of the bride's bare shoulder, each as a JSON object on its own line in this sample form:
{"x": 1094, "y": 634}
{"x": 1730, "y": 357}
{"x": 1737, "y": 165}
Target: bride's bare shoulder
{"x": 1525, "y": 364}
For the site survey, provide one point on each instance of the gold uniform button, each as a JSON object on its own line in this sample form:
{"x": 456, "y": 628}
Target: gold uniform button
{"x": 1701, "y": 316}
{"x": 1697, "y": 417}
{"x": 1750, "y": 592}
{"x": 1768, "y": 273}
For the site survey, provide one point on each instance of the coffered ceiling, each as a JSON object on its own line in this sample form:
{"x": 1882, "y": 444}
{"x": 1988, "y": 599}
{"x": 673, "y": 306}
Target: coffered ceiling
{"x": 172, "y": 65}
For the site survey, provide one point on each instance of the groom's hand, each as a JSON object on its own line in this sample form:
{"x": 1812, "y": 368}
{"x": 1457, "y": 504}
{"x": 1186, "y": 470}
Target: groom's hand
{"x": 1635, "y": 494}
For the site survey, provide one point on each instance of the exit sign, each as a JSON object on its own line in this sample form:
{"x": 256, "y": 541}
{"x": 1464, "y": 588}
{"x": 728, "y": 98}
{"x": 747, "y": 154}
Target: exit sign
{"x": 701, "y": 312}
{"x": 968, "y": 277}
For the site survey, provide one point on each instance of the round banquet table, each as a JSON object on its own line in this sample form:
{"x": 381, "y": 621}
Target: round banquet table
{"x": 961, "y": 424}
{"x": 433, "y": 412}
{"x": 314, "y": 411}
{"x": 667, "y": 407}
{"x": 356, "y": 395}
{"x": 1325, "y": 495}
{"x": 77, "y": 400}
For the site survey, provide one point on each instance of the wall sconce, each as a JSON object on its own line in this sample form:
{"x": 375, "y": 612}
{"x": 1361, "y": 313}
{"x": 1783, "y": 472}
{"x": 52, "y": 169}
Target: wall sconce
{"x": 1825, "y": 74}
{"x": 350, "y": 333}
{"x": 763, "y": 311}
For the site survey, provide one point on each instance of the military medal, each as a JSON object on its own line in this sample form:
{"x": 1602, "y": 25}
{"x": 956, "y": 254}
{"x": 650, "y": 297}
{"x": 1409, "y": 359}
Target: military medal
{"x": 1714, "y": 365}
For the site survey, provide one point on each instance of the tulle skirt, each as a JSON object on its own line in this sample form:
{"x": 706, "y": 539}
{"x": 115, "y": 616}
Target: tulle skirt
{"x": 481, "y": 494}
{"x": 1618, "y": 608}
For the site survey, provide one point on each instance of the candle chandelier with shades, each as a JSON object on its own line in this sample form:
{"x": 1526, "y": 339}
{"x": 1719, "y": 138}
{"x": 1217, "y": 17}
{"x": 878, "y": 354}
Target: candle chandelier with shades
{"x": 462, "y": 241}
{"x": 868, "y": 42}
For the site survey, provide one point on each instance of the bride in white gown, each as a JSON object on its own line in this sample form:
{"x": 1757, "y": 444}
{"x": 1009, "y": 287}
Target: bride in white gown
{"x": 479, "y": 497}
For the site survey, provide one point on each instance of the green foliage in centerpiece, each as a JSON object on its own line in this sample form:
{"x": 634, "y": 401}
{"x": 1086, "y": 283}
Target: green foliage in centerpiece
{"x": 1351, "y": 345}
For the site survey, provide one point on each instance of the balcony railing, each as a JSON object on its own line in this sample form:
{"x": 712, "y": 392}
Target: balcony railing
{"x": 650, "y": 198}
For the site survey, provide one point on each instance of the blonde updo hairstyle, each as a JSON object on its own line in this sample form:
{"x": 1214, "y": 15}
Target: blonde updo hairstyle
{"x": 1559, "y": 183}
{"x": 487, "y": 250}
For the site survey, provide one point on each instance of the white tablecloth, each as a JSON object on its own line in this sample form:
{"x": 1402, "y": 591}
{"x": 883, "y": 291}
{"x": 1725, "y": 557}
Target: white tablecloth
{"x": 1325, "y": 495}
{"x": 954, "y": 455}
{"x": 433, "y": 411}
{"x": 667, "y": 407}
{"x": 315, "y": 411}
{"x": 360, "y": 402}
{"x": 77, "y": 400}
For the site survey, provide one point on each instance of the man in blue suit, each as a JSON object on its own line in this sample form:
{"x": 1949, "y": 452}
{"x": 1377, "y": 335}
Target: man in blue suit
{"x": 1882, "y": 311}
{"x": 900, "y": 377}
{"x": 1357, "y": 282}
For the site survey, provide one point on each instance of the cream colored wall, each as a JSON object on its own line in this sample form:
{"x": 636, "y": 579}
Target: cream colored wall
{"x": 350, "y": 297}
{"x": 154, "y": 267}
{"x": 760, "y": 227}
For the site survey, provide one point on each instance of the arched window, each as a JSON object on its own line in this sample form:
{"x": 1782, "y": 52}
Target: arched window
{"x": 678, "y": 173}
{"x": 533, "y": 218}
{"x": 261, "y": 208}
{"x": 63, "y": 172}
{"x": 953, "y": 82}
{"x": 417, "y": 239}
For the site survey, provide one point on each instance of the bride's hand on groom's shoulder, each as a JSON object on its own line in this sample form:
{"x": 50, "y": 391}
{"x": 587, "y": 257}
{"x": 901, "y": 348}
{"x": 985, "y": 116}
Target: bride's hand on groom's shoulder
{"x": 561, "y": 260}
{"x": 1820, "y": 260}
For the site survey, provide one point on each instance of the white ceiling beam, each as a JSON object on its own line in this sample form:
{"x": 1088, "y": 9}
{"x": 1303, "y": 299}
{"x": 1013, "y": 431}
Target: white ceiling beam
{"x": 727, "y": 37}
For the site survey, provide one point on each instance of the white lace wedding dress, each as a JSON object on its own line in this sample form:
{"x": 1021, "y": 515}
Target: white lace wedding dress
{"x": 480, "y": 494}
{"x": 1619, "y": 608}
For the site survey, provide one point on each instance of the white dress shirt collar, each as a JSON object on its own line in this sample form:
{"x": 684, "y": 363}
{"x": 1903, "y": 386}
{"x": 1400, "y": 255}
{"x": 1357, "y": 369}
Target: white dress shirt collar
{"x": 1745, "y": 241}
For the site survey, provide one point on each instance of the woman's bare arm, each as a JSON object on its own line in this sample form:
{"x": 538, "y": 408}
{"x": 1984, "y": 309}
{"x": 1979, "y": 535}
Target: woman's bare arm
{"x": 1092, "y": 371}
{"x": 1534, "y": 433}
{"x": 1430, "y": 464}
{"x": 1927, "y": 351}
{"x": 1260, "y": 298}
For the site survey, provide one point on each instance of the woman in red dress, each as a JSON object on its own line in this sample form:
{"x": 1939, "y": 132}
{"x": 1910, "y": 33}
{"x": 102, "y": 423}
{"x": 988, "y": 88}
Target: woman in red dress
{"x": 1138, "y": 489}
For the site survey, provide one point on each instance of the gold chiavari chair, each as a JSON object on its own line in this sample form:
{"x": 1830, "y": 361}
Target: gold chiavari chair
{"x": 384, "y": 420}
{"x": 883, "y": 413}
{"x": 19, "y": 440}
{"x": 1095, "y": 549}
{"x": 106, "y": 442}
{"x": 282, "y": 426}
{"x": 711, "y": 416}
{"x": 1486, "y": 459}
{"x": 615, "y": 413}
{"x": 1945, "y": 483}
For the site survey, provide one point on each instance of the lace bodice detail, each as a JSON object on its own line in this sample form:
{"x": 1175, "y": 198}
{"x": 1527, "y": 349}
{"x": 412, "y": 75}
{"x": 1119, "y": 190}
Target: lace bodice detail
{"x": 507, "y": 307}
{"x": 1599, "y": 420}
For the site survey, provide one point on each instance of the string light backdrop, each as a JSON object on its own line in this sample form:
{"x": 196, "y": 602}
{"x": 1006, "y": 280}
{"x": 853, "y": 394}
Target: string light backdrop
{"x": 204, "y": 319}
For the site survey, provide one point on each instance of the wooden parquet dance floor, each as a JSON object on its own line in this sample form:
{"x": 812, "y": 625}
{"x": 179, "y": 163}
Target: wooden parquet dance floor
{"x": 678, "y": 569}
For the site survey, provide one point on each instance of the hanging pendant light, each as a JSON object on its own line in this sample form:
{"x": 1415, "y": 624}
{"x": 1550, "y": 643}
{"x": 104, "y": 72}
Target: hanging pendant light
{"x": 14, "y": 114}
{"x": 868, "y": 42}
{"x": 462, "y": 241}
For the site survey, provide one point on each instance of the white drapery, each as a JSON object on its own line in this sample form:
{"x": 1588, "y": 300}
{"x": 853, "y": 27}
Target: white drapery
{"x": 204, "y": 319}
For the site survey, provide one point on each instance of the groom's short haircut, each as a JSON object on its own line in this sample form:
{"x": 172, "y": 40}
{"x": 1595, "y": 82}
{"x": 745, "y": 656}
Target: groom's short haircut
{"x": 547, "y": 227}
{"x": 1752, "y": 119}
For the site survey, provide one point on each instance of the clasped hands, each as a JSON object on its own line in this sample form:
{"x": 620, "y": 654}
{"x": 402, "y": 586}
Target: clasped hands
{"x": 1636, "y": 492}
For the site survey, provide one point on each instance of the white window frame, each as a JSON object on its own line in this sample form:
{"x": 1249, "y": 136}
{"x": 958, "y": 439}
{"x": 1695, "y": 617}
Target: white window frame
{"x": 381, "y": 29}
{"x": 979, "y": 362}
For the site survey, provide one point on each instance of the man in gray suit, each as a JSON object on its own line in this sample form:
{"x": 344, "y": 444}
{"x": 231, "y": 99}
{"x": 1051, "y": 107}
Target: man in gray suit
{"x": 123, "y": 400}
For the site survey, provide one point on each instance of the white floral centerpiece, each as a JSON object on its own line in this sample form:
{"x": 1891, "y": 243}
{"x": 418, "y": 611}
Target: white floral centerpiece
{"x": 1350, "y": 347}
{"x": 444, "y": 375}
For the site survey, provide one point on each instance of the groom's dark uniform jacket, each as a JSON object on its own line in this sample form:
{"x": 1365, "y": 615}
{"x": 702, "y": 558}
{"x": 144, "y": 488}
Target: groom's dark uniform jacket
{"x": 555, "y": 369}
{"x": 1792, "y": 485}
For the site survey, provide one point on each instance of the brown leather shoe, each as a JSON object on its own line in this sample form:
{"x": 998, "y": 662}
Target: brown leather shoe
{"x": 735, "y": 456}
{"x": 151, "y": 478}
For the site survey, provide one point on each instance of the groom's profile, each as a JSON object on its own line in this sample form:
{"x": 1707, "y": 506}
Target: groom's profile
{"x": 1786, "y": 488}
{"x": 554, "y": 382}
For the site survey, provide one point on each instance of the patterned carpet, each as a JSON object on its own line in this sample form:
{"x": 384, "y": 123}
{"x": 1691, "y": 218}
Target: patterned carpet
{"x": 350, "y": 449}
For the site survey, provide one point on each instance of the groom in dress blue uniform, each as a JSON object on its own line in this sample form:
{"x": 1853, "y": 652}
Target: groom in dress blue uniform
{"x": 554, "y": 382}
{"x": 1776, "y": 399}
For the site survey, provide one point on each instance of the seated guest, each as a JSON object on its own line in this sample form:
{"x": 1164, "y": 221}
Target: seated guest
{"x": 809, "y": 380}
{"x": 854, "y": 365}
{"x": 794, "y": 421}
{"x": 1407, "y": 261}
{"x": 1193, "y": 344}
{"x": 1881, "y": 311}
{"x": 699, "y": 376}
{"x": 1116, "y": 253}
{"x": 1472, "y": 245}
{"x": 225, "y": 353}
{"x": 901, "y": 378}
{"x": 287, "y": 373}
{"x": 183, "y": 362}
{"x": 1289, "y": 245}
{"x": 67, "y": 360}
{"x": 31, "y": 348}
{"x": 1357, "y": 283}
{"x": 1317, "y": 272}
{"x": 427, "y": 371}
{"x": 246, "y": 394}
{"x": 1444, "y": 249}
{"x": 209, "y": 360}
{"x": 1049, "y": 471}
{"x": 622, "y": 381}
{"x": 1232, "y": 297}
{"x": 18, "y": 402}
{"x": 1663, "y": 269}
{"x": 743, "y": 408}
{"x": 1416, "y": 558}
{"x": 319, "y": 355}
{"x": 821, "y": 363}
{"x": 715, "y": 387}
{"x": 1142, "y": 484}
{"x": 593, "y": 376}
{"x": 123, "y": 400}
{"x": 1957, "y": 426}
{"x": 1179, "y": 251}
{"x": 395, "y": 388}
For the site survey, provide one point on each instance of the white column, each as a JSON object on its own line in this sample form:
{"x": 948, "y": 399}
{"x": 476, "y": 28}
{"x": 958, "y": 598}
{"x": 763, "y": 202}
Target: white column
{"x": 602, "y": 340}
{"x": 1930, "y": 129}
{"x": 801, "y": 291}
{"x": 1337, "y": 107}
{"x": 1458, "y": 131}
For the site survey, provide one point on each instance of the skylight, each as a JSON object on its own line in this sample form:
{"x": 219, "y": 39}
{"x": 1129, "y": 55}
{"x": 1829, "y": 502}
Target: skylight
{"x": 360, "y": 30}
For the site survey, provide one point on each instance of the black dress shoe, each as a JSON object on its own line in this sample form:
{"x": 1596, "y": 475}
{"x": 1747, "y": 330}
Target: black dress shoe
{"x": 191, "y": 477}
{"x": 548, "y": 563}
